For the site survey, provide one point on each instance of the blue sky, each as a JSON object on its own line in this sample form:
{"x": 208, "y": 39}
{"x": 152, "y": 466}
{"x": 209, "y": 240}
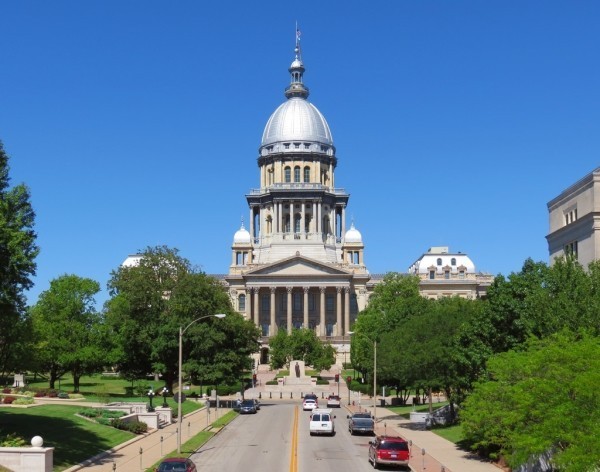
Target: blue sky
{"x": 137, "y": 124}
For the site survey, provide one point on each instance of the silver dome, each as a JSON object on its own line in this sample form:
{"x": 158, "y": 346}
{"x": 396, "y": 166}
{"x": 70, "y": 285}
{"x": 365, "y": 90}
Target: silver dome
{"x": 297, "y": 120}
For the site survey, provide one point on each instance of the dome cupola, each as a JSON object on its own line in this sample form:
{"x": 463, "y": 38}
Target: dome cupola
{"x": 353, "y": 235}
{"x": 297, "y": 125}
{"x": 242, "y": 236}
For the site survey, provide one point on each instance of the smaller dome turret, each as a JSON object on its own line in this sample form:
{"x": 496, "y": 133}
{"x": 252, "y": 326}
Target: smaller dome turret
{"x": 353, "y": 235}
{"x": 242, "y": 236}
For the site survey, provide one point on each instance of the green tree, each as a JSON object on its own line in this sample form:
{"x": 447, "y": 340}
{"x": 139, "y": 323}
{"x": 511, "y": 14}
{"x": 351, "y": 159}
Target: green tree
{"x": 394, "y": 301}
{"x": 538, "y": 400}
{"x": 17, "y": 266}
{"x": 302, "y": 344}
{"x": 150, "y": 301}
{"x": 68, "y": 330}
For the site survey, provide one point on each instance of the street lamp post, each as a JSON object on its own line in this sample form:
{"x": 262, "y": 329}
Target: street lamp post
{"x": 181, "y": 331}
{"x": 374, "y": 373}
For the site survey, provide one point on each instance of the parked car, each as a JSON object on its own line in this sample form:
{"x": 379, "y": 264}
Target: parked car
{"x": 310, "y": 404}
{"x": 388, "y": 450}
{"x": 361, "y": 423}
{"x": 321, "y": 422}
{"x": 247, "y": 406}
{"x": 176, "y": 464}
{"x": 334, "y": 401}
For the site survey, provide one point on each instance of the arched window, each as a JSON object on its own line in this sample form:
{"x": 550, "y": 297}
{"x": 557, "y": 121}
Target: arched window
{"x": 242, "y": 302}
{"x": 288, "y": 175}
{"x": 296, "y": 174}
{"x": 453, "y": 261}
{"x": 307, "y": 174}
{"x": 439, "y": 261}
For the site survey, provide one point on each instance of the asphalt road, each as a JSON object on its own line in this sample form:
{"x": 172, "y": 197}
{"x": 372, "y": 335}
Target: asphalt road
{"x": 276, "y": 439}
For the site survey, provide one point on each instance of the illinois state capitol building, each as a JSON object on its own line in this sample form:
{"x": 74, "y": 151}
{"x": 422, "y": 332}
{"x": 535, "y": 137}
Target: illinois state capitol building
{"x": 298, "y": 264}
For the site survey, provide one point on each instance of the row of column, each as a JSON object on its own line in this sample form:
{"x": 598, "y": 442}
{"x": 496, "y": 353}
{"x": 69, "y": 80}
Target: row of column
{"x": 253, "y": 300}
{"x": 316, "y": 225}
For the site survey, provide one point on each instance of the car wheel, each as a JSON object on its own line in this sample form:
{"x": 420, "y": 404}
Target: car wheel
{"x": 375, "y": 464}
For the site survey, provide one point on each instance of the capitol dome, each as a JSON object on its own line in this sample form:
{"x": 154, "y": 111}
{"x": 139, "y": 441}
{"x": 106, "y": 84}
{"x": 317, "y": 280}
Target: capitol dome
{"x": 242, "y": 236}
{"x": 297, "y": 125}
{"x": 297, "y": 120}
{"x": 353, "y": 235}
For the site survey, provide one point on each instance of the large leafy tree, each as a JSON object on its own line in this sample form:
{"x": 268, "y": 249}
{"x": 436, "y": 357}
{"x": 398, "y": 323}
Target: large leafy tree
{"x": 394, "y": 301}
{"x": 536, "y": 302}
{"x": 68, "y": 330}
{"x": 153, "y": 299}
{"x": 17, "y": 266}
{"x": 301, "y": 344}
{"x": 422, "y": 351}
{"x": 542, "y": 399}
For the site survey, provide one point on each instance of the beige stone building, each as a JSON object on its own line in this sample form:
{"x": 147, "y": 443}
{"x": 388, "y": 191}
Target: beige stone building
{"x": 447, "y": 274}
{"x": 574, "y": 217}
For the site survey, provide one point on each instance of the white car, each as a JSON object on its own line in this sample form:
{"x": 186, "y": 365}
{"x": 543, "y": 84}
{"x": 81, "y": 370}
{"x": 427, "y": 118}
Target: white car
{"x": 321, "y": 422}
{"x": 309, "y": 404}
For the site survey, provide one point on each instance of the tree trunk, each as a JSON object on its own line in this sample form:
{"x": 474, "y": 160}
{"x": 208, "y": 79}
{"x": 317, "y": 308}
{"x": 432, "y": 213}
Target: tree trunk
{"x": 76, "y": 378}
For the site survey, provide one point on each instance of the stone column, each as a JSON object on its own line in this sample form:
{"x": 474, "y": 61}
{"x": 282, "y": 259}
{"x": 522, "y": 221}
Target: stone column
{"x": 280, "y": 217}
{"x": 256, "y": 307}
{"x": 289, "y": 309}
{"x": 322, "y": 312}
{"x": 275, "y": 217}
{"x": 302, "y": 217}
{"x": 313, "y": 223}
{"x": 305, "y": 321}
{"x": 292, "y": 228}
{"x": 273, "y": 325}
{"x": 251, "y": 225}
{"x": 343, "y": 221}
{"x": 338, "y": 308}
{"x": 248, "y": 304}
{"x": 346, "y": 311}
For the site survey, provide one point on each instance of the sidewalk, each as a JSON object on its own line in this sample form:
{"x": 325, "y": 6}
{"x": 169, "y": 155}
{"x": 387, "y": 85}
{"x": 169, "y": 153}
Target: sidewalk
{"x": 142, "y": 452}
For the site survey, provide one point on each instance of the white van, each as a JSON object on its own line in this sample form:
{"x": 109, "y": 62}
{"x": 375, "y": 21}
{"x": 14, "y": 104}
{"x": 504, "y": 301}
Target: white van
{"x": 321, "y": 422}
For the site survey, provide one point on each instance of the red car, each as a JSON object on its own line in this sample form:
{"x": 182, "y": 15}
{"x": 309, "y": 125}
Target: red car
{"x": 176, "y": 464}
{"x": 388, "y": 450}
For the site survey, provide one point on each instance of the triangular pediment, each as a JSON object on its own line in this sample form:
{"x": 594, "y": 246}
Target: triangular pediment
{"x": 297, "y": 266}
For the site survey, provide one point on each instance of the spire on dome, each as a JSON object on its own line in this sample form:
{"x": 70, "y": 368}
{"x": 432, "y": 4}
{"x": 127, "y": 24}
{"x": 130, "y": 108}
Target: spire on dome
{"x": 297, "y": 88}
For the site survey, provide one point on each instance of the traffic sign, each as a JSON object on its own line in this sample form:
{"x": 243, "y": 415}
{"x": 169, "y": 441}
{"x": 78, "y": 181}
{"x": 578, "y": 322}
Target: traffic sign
{"x": 176, "y": 397}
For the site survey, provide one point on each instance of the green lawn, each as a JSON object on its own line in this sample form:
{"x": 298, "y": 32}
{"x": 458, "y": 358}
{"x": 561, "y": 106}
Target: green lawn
{"x": 74, "y": 439}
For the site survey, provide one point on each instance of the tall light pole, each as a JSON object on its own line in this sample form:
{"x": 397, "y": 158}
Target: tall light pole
{"x": 181, "y": 331}
{"x": 374, "y": 372}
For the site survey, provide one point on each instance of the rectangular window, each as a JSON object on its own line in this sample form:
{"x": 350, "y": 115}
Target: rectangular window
{"x": 265, "y": 303}
{"x": 461, "y": 274}
{"x": 311, "y": 302}
{"x": 432, "y": 274}
{"x": 329, "y": 303}
{"x": 283, "y": 302}
{"x": 447, "y": 274}
{"x": 298, "y": 302}
{"x": 571, "y": 249}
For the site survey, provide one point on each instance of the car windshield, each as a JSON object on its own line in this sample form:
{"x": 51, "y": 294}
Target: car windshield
{"x": 363, "y": 422}
{"x": 361, "y": 415}
{"x": 309, "y": 400}
{"x": 394, "y": 446}
{"x": 248, "y": 403}
{"x": 172, "y": 467}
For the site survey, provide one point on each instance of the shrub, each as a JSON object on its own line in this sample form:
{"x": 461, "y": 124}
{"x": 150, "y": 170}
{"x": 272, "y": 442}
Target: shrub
{"x": 12, "y": 440}
{"x": 136, "y": 427}
{"x": 23, "y": 401}
{"x": 90, "y": 412}
{"x": 8, "y": 399}
{"x": 322, "y": 382}
{"x": 271, "y": 382}
{"x": 52, "y": 393}
{"x": 6, "y": 390}
{"x": 63, "y": 395}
